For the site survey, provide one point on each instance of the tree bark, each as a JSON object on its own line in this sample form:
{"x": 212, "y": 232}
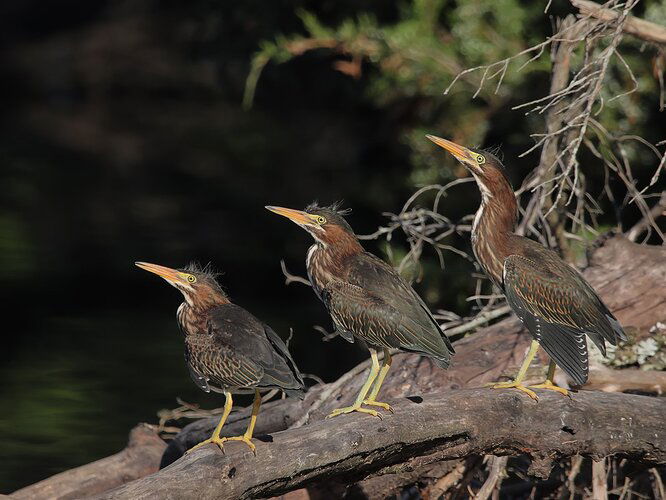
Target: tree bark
{"x": 444, "y": 426}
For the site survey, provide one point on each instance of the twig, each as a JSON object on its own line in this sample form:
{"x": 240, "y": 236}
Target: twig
{"x": 443, "y": 484}
{"x": 576, "y": 463}
{"x": 659, "y": 490}
{"x": 292, "y": 278}
{"x": 599, "y": 488}
{"x": 642, "y": 225}
{"x": 480, "y": 319}
{"x": 497, "y": 467}
{"x": 645, "y": 30}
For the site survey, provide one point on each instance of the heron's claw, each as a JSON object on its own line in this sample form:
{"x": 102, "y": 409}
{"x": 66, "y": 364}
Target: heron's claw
{"x": 350, "y": 409}
{"x": 514, "y": 385}
{"x": 221, "y": 440}
{"x": 214, "y": 440}
{"x": 549, "y": 386}
{"x": 372, "y": 402}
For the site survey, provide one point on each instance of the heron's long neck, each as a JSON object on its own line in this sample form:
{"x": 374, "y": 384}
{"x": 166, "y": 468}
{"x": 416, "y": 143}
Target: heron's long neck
{"x": 493, "y": 229}
{"x": 327, "y": 262}
{"x": 191, "y": 314}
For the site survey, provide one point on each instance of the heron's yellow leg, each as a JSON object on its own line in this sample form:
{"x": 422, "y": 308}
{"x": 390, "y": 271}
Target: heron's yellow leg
{"x": 247, "y": 437}
{"x": 549, "y": 384}
{"x": 215, "y": 438}
{"x": 372, "y": 398}
{"x": 374, "y": 369}
{"x": 517, "y": 382}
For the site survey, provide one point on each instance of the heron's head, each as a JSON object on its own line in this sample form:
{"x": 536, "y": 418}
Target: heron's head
{"x": 327, "y": 225}
{"x": 198, "y": 284}
{"x": 486, "y": 167}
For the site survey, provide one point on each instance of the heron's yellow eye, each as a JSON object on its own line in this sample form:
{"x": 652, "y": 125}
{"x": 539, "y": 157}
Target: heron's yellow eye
{"x": 480, "y": 159}
{"x": 321, "y": 220}
{"x": 191, "y": 279}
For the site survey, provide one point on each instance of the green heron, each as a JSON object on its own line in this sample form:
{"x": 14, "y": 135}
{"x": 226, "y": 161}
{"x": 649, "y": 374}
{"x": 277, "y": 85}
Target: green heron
{"x": 227, "y": 349}
{"x": 366, "y": 298}
{"x": 554, "y": 302}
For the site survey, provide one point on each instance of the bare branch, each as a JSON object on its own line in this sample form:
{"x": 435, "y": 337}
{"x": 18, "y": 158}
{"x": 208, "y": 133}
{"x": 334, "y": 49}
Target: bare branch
{"x": 645, "y": 30}
{"x": 292, "y": 278}
{"x": 658, "y": 210}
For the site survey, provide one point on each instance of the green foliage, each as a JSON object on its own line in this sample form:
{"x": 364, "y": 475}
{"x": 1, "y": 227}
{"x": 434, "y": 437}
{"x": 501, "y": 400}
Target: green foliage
{"x": 416, "y": 58}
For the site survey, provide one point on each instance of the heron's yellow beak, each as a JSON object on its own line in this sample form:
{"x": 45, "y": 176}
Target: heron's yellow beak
{"x": 460, "y": 153}
{"x": 299, "y": 217}
{"x": 171, "y": 275}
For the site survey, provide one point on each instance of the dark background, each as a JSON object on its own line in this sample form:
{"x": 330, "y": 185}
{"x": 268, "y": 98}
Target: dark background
{"x": 123, "y": 138}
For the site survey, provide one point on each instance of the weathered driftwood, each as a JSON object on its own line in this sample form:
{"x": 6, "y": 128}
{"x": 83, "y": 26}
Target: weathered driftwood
{"x": 629, "y": 277}
{"x": 633, "y": 380}
{"x": 446, "y": 425}
{"x": 140, "y": 458}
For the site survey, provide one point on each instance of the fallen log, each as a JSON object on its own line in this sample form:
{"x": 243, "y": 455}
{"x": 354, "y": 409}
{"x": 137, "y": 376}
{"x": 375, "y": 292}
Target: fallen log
{"x": 445, "y": 426}
{"x": 140, "y": 458}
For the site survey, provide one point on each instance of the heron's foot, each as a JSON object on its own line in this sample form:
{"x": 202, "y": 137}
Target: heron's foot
{"x": 214, "y": 440}
{"x": 514, "y": 385}
{"x": 353, "y": 408}
{"x": 247, "y": 440}
{"x": 372, "y": 402}
{"x": 221, "y": 440}
{"x": 549, "y": 386}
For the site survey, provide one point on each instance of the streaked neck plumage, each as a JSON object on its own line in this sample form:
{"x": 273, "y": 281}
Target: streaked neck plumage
{"x": 191, "y": 313}
{"x": 492, "y": 231}
{"x": 326, "y": 261}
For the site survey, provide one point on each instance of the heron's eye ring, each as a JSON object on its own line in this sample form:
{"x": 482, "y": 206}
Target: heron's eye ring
{"x": 480, "y": 159}
{"x": 321, "y": 220}
{"x": 191, "y": 279}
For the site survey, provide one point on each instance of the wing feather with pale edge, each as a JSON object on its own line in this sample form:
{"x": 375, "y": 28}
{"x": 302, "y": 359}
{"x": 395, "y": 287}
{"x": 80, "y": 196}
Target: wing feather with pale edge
{"x": 559, "y": 308}
{"x": 376, "y": 304}
{"x": 241, "y": 351}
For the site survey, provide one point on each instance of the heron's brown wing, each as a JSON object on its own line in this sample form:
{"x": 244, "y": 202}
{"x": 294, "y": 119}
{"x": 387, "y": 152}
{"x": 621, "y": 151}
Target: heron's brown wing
{"x": 559, "y": 308}
{"x": 250, "y": 350}
{"x": 212, "y": 364}
{"x": 373, "y": 274}
{"x": 376, "y": 305}
{"x": 199, "y": 380}
{"x": 296, "y": 381}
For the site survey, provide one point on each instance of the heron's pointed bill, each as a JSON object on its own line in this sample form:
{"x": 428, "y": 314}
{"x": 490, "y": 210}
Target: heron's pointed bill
{"x": 461, "y": 153}
{"x": 299, "y": 217}
{"x": 171, "y": 275}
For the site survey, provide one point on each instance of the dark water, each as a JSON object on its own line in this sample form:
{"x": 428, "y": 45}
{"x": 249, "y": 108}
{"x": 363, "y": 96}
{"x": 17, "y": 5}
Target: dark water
{"x": 77, "y": 384}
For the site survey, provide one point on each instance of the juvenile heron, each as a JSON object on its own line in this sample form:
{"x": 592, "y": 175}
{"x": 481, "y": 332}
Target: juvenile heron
{"x": 227, "y": 349}
{"x": 554, "y": 302}
{"x": 366, "y": 298}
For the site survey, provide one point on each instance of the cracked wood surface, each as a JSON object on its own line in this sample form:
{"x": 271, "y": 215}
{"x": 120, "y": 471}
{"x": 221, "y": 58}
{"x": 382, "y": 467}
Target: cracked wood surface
{"x": 445, "y": 426}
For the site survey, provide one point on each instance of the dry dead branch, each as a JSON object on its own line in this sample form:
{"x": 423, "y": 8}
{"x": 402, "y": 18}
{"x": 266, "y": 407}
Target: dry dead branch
{"x": 645, "y": 30}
